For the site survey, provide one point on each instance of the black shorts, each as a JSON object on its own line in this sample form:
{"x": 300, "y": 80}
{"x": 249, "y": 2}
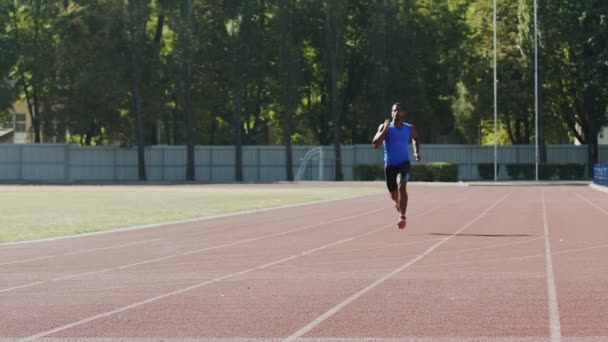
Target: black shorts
{"x": 392, "y": 171}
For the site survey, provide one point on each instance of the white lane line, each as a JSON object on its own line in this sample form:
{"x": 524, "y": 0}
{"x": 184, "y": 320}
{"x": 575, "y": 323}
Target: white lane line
{"x": 211, "y": 248}
{"x": 366, "y": 213}
{"x": 517, "y": 258}
{"x": 78, "y": 252}
{"x": 438, "y": 253}
{"x": 593, "y": 204}
{"x": 110, "y": 247}
{"x": 354, "y": 297}
{"x": 147, "y": 261}
{"x": 325, "y": 339}
{"x": 21, "y": 286}
{"x": 26, "y": 260}
{"x": 271, "y": 235}
{"x": 189, "y": 288}
{"x": 80, "y": 274}
{"x": 377, "y": 247}
{"x": 196, "y": 219}
{"x": 556, "y": 331}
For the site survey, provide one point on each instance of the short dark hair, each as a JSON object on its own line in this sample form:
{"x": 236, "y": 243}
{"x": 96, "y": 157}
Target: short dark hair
{"x": 396, "y": 105}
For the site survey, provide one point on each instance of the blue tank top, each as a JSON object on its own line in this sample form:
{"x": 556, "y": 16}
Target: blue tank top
{"x": 396, "y": 150}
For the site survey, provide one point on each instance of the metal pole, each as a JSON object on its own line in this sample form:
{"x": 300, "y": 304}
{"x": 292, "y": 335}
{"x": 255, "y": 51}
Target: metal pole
{"x": 495, "y": 105}
{"x": 321, "y": 166}
{"x": 536, "y": 89}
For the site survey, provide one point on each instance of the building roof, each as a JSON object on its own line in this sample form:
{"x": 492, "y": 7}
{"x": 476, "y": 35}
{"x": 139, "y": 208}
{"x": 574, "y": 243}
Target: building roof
{"x": 6, "y": 135}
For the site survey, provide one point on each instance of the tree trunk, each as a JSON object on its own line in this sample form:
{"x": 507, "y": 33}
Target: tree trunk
{"x": 238, "y": 134}
{"x": 137, "y": 99}
{"x": 592, "y": 146}
{"x": 190, "y": 170}
{"x": 286, "y": 58}
{"x": 334, "y": 39}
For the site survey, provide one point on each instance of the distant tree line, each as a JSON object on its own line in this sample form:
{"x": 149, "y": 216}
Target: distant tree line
{"x": 317, "y": 72}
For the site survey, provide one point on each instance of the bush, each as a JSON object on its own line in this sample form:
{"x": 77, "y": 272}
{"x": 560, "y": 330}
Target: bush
{"x": 432, "y": 172}
{"x": 444, "y": 172}
{"x": 571, "y": 171}
{"x": 486, "y": 170}
{"x": 421, "y": 173}
{"x": 547, "y": 171}
{"x": 521, "y": 171}
{"x": 369, "y": 172}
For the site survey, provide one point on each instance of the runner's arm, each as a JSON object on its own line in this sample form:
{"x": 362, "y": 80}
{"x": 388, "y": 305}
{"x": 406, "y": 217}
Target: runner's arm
{"x": 416, "y": 143}
{"x": 381, "y": 134}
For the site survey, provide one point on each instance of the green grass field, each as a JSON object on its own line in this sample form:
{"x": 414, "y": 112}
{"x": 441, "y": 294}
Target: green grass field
{"x": 35, "y": 212}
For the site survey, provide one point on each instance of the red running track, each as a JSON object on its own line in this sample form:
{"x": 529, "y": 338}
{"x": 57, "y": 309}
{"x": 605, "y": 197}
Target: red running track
{"x": 474, "y": 264}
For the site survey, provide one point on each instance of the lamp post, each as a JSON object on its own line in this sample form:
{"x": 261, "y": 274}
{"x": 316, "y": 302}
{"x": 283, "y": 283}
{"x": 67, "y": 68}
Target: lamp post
{"x": 495, "y": 102}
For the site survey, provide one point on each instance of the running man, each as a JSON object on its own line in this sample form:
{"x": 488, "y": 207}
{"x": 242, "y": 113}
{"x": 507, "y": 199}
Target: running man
{"x": 395, "y": 136}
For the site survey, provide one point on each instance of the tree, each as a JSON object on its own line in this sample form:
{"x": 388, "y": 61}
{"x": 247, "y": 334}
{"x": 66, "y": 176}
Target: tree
{"x": 186, "y": 42}
{"x": 233, "y": 28}
{"x": 136, "y": 40}
{"x": 335, "y": 25}
{"x": 288, "y": 72}
{"x": 32, "y": 33}
{"x": 575, "y": 38}
{"x": 7, "y": 60}
{"x": 90, "y": 91}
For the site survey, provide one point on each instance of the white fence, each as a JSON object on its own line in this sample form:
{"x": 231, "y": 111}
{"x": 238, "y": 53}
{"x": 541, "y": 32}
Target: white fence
{"x": 215, "y": 164}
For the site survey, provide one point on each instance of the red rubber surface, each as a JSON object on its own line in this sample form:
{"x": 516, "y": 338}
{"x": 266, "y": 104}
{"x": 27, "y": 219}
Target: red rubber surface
{"x": 471, "y": 265}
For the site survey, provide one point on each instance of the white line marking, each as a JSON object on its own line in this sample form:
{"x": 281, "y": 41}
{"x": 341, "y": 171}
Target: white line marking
{"x": 517, "y": 258}
{"x": 438, "y": 253}
{"x": 209, "y": 248}
{"x": 581, "y": 249}
{"x": 180, "y": 291}
{"x": 372, "y": 248}
{"x": 56, "y": 279}
{"x": 354, "y": 297}
{"x": 26, "y": 260}
{"x": 110, "y": 247}
{"x": 197, "y": 219}
{"x": 21, "y": 286}
{"x": 556, "y": 332}
{"x": 593, "y": 204}
{"x": 148, "y": 261}
{"x": 325, "y": 339}
{"x": 81, "y": 274}
{"x": 599, "y": 187}
{"x": 366, "y": 213}
{"x": 78, "y": 252}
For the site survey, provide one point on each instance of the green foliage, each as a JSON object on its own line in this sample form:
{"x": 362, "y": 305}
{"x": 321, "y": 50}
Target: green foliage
{"x": 575, "y": 49}
{"x": 431, "y": 172}
{"x": 486, "y": 170}
{"x": 7, "y": 60}
{"x": 368, "y": 172}
{"x": 71, "y": 58}
{"x": 571, "y": 171}
{"x": 444, "y": 172}
{"x": 521, "y": 171}
{"x": 566, "y": 171}
{"x": 487, "y": 132}
{"x": 421, "y": 173}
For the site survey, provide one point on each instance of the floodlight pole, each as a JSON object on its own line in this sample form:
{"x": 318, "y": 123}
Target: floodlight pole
{"x": 536, "y": 88}
{"x": 495, "y": 105}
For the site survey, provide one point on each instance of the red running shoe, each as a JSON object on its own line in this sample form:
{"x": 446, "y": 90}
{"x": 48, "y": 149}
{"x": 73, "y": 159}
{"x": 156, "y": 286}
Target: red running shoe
{"x": 401, "y": 223}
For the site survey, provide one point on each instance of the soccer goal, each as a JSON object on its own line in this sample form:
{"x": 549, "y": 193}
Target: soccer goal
{"x": 316, "y": 151}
